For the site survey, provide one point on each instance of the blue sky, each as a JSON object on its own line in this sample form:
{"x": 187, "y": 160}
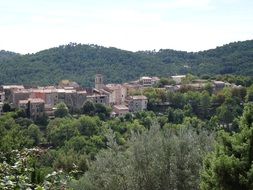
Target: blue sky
{"x": 29, "y": 26}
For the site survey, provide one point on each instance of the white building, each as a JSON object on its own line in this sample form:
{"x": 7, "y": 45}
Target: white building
{"x": 178, "y": 78}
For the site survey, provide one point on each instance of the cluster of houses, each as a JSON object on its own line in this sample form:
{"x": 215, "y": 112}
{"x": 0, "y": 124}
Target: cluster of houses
{"x": 38, "y": 101}
{"x": 197, "y": 84}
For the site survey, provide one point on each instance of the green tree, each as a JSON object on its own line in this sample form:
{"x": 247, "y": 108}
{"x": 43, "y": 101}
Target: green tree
{"x": 249, "y": 96}
{"x": 154, "y": 160}
{"x": 34, "y": 134}
{"x": 230, "y": 166}
{"x": 89, "y": 108}
{"x": 61, "y": 130}
{"x": 89, "y": 125}
{"x": 6, "y": 107}
{"x": 61, "y": 110}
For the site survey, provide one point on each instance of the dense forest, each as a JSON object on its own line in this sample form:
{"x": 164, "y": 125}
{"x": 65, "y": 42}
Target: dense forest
{"x": 81, "y": 62}
{"x": 202, "y": 140}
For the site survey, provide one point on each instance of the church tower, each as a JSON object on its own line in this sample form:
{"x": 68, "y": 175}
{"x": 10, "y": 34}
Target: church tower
{"x": 99, "y": 81}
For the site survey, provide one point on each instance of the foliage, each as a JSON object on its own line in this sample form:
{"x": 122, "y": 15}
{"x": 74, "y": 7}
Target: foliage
{"x": 19, "y": 171}
{"x": 154, "y": 160}
{"x": 61, "y": 110}
{"x": 80, "y": 63}
{"x": 230, "y": 165}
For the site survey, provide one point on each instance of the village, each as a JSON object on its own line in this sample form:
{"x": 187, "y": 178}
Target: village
{"x": 121, "y": 98}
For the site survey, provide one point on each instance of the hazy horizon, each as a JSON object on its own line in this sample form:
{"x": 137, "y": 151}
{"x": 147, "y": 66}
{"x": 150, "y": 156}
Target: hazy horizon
{"x": 186, "y": 25}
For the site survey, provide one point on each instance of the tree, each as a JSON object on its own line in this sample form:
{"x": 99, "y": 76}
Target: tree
{"x": 88, "y": 125}
{"x": 89, "y": 108}
{"x": 154, "y": 159}
{"x": 102, "y": 111}
{"x": 61, "y": 110}
{"x": 249, "y": 96}
{"x": 6, "y": 107}
{"x": 205, "y": 105}
{"x": 61, "y": 130}
{"x": 34, "y": 134}
{"x": 230, "y": 166}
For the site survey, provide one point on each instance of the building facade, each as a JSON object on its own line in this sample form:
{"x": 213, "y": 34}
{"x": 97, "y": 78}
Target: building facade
{"x": 34, "y": 107}
{"x": 137, "y": 103}
{"x": 120, "y": 110}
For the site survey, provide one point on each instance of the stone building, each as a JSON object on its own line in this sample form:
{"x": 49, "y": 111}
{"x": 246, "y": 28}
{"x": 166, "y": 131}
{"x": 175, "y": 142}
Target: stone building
{"x": 117, "y": 93}
{"x": 99, "y": 98}
{"x": 137, "y": 103}
{"x": 8, "y": 90}
{"x": 17, "y": 95}
{"x": 120, "y": 110}
{"x": 34, "y": 107}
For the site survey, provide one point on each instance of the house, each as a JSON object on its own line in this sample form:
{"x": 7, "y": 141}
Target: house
{"x": 218, "y": 85}
{"x": 116, "y": 92}
{"x": 2, "y": 97}
{"x": 19, "y": 94}
{"x": 172, "y": 88}
{"x": 49, "y": 95}
{"x": 178, "y": 78}
{"x": 68, "y": 84}
{"x": 99, "y": 98}
{"x": 8, "y": 90}
{"x": 34, "y": 107}
{"x": 148, "y": 81}
{"x": 120, "y": 110}
{"x": 81, "y": 97}
{"x": 137, "y": 103}
{"x": 132, "y": 88}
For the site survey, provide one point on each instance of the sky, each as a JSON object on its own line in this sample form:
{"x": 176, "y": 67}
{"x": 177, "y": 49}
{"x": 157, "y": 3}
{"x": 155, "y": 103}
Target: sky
{"x": 29, "y": 26}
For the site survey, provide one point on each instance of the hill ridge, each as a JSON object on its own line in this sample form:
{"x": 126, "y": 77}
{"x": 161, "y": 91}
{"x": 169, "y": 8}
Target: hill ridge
{"x": 80, "y": 62}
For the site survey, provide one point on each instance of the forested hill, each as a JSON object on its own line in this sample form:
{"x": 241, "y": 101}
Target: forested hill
{"x": 7, "y": 54}
{"x": 81, "y": 62}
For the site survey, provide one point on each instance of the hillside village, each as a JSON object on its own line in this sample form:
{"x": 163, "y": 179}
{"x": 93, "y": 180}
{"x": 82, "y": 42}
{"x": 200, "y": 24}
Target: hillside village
{"x": 122, "y": 98}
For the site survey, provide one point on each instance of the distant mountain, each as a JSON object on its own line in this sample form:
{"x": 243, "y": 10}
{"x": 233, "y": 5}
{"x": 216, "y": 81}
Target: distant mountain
{"x": 81, "y": 62}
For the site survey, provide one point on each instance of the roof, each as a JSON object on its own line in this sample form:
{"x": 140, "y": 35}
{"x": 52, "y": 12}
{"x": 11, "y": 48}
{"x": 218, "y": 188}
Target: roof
{"x": 96, "y": 95}
{"x": 140, "y": 97}
{"x": 70, "y": 91}
{"x": 32, "y": 100}
{"x": 121, "y": 107}
{"x": 21, "y": 91}
{"x": 113, "y": 86}
{"x": 82, "y": 92}
{"x": 155, "y": 78}
{"x": 39, "y": 90}
{"x": 146, "y": 78}
{"x": 218, "y": 82}
{"x": 178, "y": 76}
{"x": 13, "y": 86}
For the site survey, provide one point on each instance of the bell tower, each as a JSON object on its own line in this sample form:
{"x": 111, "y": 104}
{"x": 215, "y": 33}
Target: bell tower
{"x": 99, "y": 81}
